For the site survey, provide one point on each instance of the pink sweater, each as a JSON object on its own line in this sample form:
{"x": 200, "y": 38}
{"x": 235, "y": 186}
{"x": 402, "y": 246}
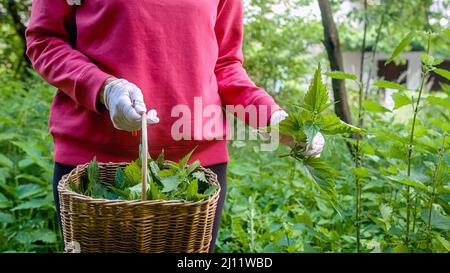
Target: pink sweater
{"x": 172, "y": 50}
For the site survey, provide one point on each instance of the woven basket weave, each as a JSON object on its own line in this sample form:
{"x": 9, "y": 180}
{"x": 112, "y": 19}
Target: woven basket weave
{"x": 99, "y": 225}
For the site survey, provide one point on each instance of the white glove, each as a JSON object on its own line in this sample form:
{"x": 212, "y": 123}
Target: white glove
{"x": 316, "y": 146}
{"x": 317, "y": 143}
{"x": 125, "y": 103}
{"x": 277, "y": 117}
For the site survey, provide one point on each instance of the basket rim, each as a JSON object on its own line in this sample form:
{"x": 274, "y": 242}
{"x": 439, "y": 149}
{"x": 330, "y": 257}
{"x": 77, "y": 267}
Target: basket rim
{"x": 63, "y": 190}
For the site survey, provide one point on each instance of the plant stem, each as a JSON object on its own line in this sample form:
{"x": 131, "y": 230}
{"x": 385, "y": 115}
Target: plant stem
{"x": 425, "y": 73}
{"x": 374, "y": 52}
{"x": 358, "y": 148}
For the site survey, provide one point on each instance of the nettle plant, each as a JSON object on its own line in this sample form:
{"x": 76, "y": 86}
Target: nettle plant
{"x": 422, "y": 177}
{"x": 167, "y": 180}
{"x": 304, "y": 122}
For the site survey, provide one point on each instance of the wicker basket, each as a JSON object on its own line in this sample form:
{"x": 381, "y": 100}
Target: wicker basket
{"x": 99, "y": 225}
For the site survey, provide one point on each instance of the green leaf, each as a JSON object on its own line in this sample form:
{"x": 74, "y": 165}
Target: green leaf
{"x": 438, "y": 220}
{"x": 311, "y": 131}
{"x": 4, "y": 202}
{"x": 332, "y": 125}
{"x": 317, "y": 96}
{"x": 27, "y": 190}
{"x": 429, "y": 60}
{"x": 154, "y": 168}
{"x": 133, "y": 174}
{"x": 386, "y": 212}
{"x": 374, "y": 107}
{"x": 378, "y": 221}
{"x": 385, "y": 135}
{"x": 321, "y": 173}
{"x": 23, "y": 237}
{"x": 32, "y": 204}
{"x": 100, "y": 191}
{"x": 439, "y": 101}
{"x": 305, "y": 219}
{"x": 184, "y": 161}
{"x": 443, "y": 242}
{"x": 160, "y": 160}
{"x": 44, "y": 235}
{"x": 136, "y": 191}
{"x": 155, "y": 193}
{"x": 210, "y": 190}
{"x": 443, "y": 73}
{"x": 192, "y": 190}
{"x": 93, "y": 171}
{"x": 6, "y": 218}
{"x": 200, "y": 176}
{"x": 390, "y": 85}
{"x": 293, "y": 126}
{"x": 400, "y": 100}
{"x": 170, "y": 183}
{"x": 24, "y": 163}
{"x": 341, "y": 75}
{"x": 119, "y": 181}
{"x": 401, "y": 46}
{"x": 30, "y": 178}
{"x": 194, "y": 166}
{"x": 400, "y": 249}
{"x": 93, "y": 176}
{"x": 4, "y": 161}
{"x": 120, "y": 194}
{"x": 407, "y": 181}
{"x": 361, "y": 172}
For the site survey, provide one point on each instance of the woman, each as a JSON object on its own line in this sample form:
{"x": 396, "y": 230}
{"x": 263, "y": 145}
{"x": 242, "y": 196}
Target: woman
{"x": 112, "y": 60}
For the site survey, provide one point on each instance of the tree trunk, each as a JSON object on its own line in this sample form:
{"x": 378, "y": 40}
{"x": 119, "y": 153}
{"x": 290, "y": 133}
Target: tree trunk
{"x": 13, "y": 11}
{"x": 332, "y": 45}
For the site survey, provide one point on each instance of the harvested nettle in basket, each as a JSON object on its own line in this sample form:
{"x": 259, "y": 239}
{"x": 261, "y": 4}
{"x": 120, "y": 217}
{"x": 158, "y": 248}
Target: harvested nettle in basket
{"x": 147, "y": 205}
{"x": 167, "y": 180}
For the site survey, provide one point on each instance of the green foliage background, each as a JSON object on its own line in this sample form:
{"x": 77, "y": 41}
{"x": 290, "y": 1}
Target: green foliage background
{"x": 271, "y": 206}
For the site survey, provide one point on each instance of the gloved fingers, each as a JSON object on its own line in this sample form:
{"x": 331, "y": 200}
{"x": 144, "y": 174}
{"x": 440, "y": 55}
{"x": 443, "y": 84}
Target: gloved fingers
{"x": 140, "y": 107}
{"x": 313, "y": 152}
{"x": 137, "y": 98}
{"x": 131, "y": 117}
{"x": 277, "y": 117}
{"x": 120, "y": 123}
{"x": 316, "y": 146}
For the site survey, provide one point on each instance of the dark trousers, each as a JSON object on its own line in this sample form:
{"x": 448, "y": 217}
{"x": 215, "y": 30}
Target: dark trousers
{"x": 219, "y": 169}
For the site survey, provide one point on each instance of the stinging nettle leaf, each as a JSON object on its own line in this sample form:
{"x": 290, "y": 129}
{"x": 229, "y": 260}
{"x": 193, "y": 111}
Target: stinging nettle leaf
{"x": 133, "y": 174}
{"x": 438, "y": 220}
{"x": 374, "y": 107}
{"x": 119, "y": 179}
{"x": 339, "y": 75}
{"x": 442, "y": 72}
{"x": 390, "y": 85}
{"x": 409, "y": 182}
{"x": 200, "y": 176}
{"x": 322, "y": 174}
{"x": 170, "y": 183}
{"x": 192, "y": 190}
{"x": 27, "y": 190}
{"x": 361, "y": 172}
{"x": 439, "y": 101}
{"x": 401, "y": 46}
{"x": 400, "y": 100}
{"x": 311, "y": 131}
{"x": 332, "y": 125}
{"x": 316, "y": 99}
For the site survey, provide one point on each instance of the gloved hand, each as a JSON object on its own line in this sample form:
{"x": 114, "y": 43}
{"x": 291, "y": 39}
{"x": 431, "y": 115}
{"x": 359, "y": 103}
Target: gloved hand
{"x": 125, "y": 103}
{"x": 313, "y": 149}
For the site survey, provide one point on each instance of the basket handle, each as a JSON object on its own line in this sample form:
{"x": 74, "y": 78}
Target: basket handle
{"x": 144, "y": 158}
